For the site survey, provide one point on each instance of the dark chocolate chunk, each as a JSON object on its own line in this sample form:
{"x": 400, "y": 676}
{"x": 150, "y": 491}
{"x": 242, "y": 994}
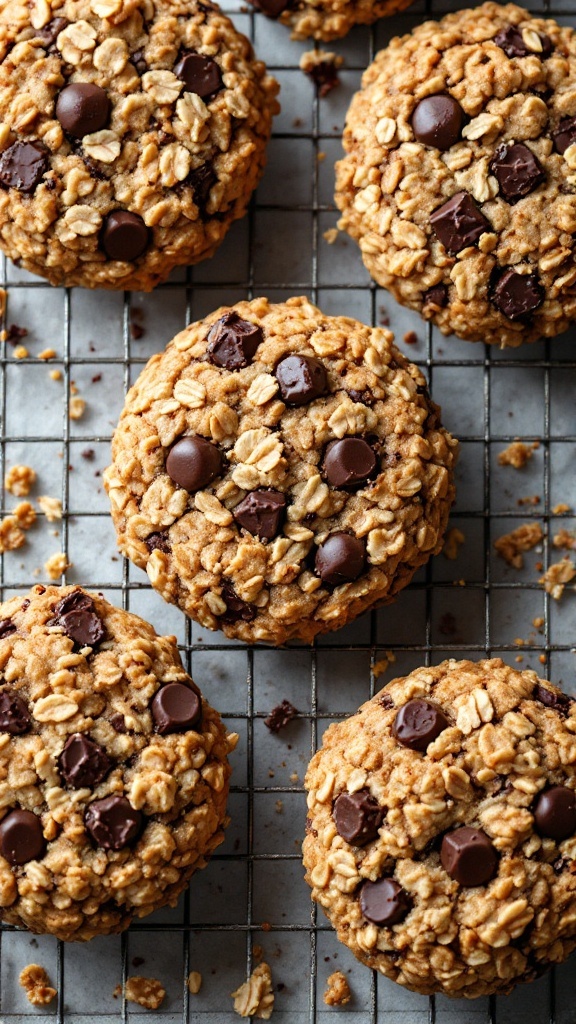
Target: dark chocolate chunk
{"x": 301, "y": 379}
{"x": 236, "y": 609}
{"x": 565, "y": 134}
{"x": 77, "y": 615}
{"x": 201, "y": 179}
{"x": 21, "y": 837}
{"x": 385, "y": 700}
{"x": 49, "y": 34}
{"x": 384, "y": 902}
{"x": 510, "y": 40}
{"x": 560, "y": 702}
{"x": 14, "y": 715}
{"x": 232, "y": 342}
{"x": 517, "y": 295}
{"x": 117, "y": 722}
{"x": 200, "y": 74}
{"x": 113, "y": 823}
{"x": 324, "y": 74}
{"x": 340, "y": 559}
{"x": 357, "y": 817}
{"x": 7, "y": 628}
{"x": 437, "y": 121}
{"x": 468, "y": 856}
{"x": 459, "y": 223}
{"x": 124, "y": 236}
{"x": 273, "y": 8}
{"x": 280, "y": 716}
{"x": 23, "y": 165}
{"x": 555, "y": 812}
{"x": 437, "y": 296}
{"x": 418, "y": 723}
{"x": 261, "y": 513}
{"x": 176, "y": 708}
{"x": 349, "y": 462}
{"x": 517, "y": 171}
{"x": 82, "y": 108}
{"x": 193, "y": 463}
{"x": 83, "y": 763}
{"x": 158, "y": 542}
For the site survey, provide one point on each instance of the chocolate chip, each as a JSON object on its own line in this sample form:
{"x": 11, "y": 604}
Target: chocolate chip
{"x": 193, "y": 463}
{"x": 560, "y": 702}
{"x": 324, "y": 74}
{"x": 301, "y": 379}
{"x": 232, "y": 342}
{"x": 7, "y": 628}
{"x": 21, "y": 837}
{"x": 340, "y": 559}
{"x": 517, "y": 171}
{"x": 565, "y": 134}
{"x": 49, "y": 34}
{"x": 201, "y": 179}
{"x": 517, "y": 295}
{"x": 348, "y": 462}
{"x": 459, "y": 223}
{"x": 418, "y": 723}
{"x": 261, "y": 513}
{"x": 82, "y": 108}
{"x": 176, "y": 708}
{"x": 14, "y": 715}
{"x": 83, "y": 763}
{"x": 158, "y": 542}
{"x": 280, "y": 716}
{"x": 236, "y": 609}
{"x": 357, "y": 817}
{"x": 23, "y": 165}
{"x": 112, "y": 822}
{"x": 468, "y": 856}
{"x": 436, "y": 296}
{"x": 118, "y": 723}
{"x": 555, "y": 812}
{"x": 384, "y": 902}
{"x": 138, "y": 61}
{"x": 437, "y": 121}
{"x": 124, "y": 236}
{"x": 201, "y": 75}
{"x": 273, "y": 8}
{"x": 385, "y": 701}
{"x": 510, "y": 40}
{"x": 77, "y": 615}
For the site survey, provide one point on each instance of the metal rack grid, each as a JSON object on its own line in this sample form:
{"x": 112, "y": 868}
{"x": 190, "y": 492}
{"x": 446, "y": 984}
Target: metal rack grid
{"x": 252, "y": 893}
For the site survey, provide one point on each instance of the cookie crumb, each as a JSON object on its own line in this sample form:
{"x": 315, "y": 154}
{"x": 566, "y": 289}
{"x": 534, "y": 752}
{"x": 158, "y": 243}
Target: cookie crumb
{"x": 538, "y": 622}
{"x": 530, "y": 499}
{"x": 21, "y": 352}
{"x": 517, "y": 454}
{"x": 77, "y": 408}
{"x": 147, "y": 992}
{"x": 561, "y": 509}
{"x": 25, "y": 515}
{"x": 337, "y": 990}
{"x": 257, "y": 952}
{"x": 3, "y": 298}
{"x": 11, "y": 536}
{"x": 280, "y": 716}
{"x": 51, "y": 507}
{"x": 411, "y": 338}
{"x": 194, "y": 982}
{"x": 279, "y": 807}
{"x": 56, "y": 374}
{"x": 36, "y": 983}
{"x": 511, "y": 545}
{"x": 564, "y": 539}
{"x": 452, "y": 543}
{"x": 383, "y": 664}
{"x": 57, "y": 565}
{"x": 19, "y": 479}
{"x": 557, "y": 576}
{"x": 255, "y": 998}
{"x": 47, "y": 353}
{"x": 322, "y": 67}
{"x": 331, "y": 235}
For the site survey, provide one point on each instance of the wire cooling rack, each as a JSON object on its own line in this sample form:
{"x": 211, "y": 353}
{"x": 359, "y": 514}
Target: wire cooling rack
{"x": 252, "y": 900}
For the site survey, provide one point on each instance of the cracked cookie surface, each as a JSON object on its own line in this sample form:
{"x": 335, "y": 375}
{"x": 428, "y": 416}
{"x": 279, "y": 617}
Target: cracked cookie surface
{"x": 132, "y": 134}
{"x": 113, "y": 768}
{"x": 327, "y": 19}
{"x": 441, "y": 837}
{"x": 459, "y": 178}
{"x": 278, "y": 471}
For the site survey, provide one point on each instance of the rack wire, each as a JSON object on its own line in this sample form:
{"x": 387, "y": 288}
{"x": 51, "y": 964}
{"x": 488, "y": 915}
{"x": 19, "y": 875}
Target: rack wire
{"x": 252, "y": 900}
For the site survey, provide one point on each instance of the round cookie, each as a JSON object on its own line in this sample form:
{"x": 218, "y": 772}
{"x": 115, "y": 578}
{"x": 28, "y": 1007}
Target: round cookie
{"x": 327, "y": 19}
{"x": 132, "y": 134}
{"x": 459, "y": 181}
{"x": 441, "y": 838}
{"x": 114, "y": 768}
{"x": 277, "y": 471}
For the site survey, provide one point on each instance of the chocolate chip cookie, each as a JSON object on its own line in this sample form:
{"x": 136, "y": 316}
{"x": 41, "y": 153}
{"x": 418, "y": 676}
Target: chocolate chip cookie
{"x": 327, "y": 19}
{"x": 132, "y": 134}
{"x": 459, "y": 179}
{"x": 277, "y": 471}
{"x": 441, "y": 838}
{"x": 114, "y": 768}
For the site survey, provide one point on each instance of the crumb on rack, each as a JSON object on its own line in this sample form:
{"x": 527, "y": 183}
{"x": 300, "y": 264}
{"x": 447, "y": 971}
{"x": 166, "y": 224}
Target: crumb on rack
{"x": 411, "y": 338}
{"x": 77, "y": 408}
{"x": 564, "y": 539}
{"x": 56, "y": 374}
{"x": 511, "y": 545}
{"x": 331, "y": 235}
{"x": 530, "y": 499}
{"x": 557, "y": 576}
{"x": 279, "y": 807}
{"x": 538, "y": 622}
{"x": 57, "y": 565}
{"x": 25, "y": 515}
{"x": 3, "y": 298}
{"x": 194, "y": 982}
{"x": 47, "y": 353}
{"x": 36, "y": 983}
{"x": 322, "y": 67}
{"x": 383, "y": 664}
{"x": 517, "y": 454}
{"x": 11, "y": 535}
{"x": 452, "y": 543}
{"x": 20, "y": 352}
{"x": 561, "y": 509}
{"x": 280, "y": 716}
{"x": 255, "y": 998}
{"x": 19, "y": 479}
{"x": 337, "y": 990}
{"x": 147, "y": 992}
{"x": 51, "y": 507}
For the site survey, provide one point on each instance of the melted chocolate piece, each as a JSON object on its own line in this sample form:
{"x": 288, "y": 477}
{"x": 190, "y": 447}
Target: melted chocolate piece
{"x": 7, "y": 628}
{"x": 418, "y": 723}
{"x": 357, "y": 817}
{"x": 232, "y": 342}
{"x": 49, "y": 34}
{"x": 261, "y": 513}
{"x": 349, "y": 462}
{"x": 560, "y": 702}
{"x": 193, "y": 463}
{"x": 236, "y": 609}
{"x": 459, "y": 223}
{"x": 517, "y": 295}
{"x": 437, "y": 121}
{"x": 340, "y": 559}
{"x": 201, "y": 179}
{"x": 83, "y": 763}
{"x": 23, "y": 165}
{"x": 437, "y": 296}
{"x": 83, "y": 108}
{"x": 510, "y": 40}
{"x": 176, "y": 708}
{"x": 21, "y": 837}
{"x": 384, "y": 902}
{"x": 77, "y": 615}
{"x": 468, "y": 856}
{"x": 15, "y": 717}
{"x": 113, "y": 823}
{"x": 301, "y": 379}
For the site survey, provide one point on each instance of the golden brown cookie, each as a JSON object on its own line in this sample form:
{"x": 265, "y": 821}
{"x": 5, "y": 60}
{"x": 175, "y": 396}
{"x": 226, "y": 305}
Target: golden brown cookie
{"x": 327, "y": 19}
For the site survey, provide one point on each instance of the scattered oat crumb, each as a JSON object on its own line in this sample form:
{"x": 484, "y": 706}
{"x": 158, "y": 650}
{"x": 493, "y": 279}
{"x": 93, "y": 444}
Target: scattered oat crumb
{"x": 382, "y": 664}
{"x": 511, "y": 545}
{"x": 257, "y": 952}
{"x": 11, "y": 536}
{"x": 538, "y": 622}
{"x": 294, "y": 777}
{"x": 3, "y": 297}
{"x": 19, "y": 479}
{"x": 564, "y": 539}
{"x": 331, "y": 235}
{"x": 530, "y": 499}
{"x": 255, "y": 998}
{"x": 517, "y": 454}
{"x": 47, "y": 353}
{"x": 194, "y": 982}
{"x": 452, "y": 543}
{"x": 77, "y": 408}
{"x": 322, "y": 67}
{"x": 25, "y": 515}
{"x": 21, "y": 352}
{"x": 51, "y": 507}
{"x": 411, "y": 338}
{"x": 57, "y": 565}
{"x": 147, "y": 992}
{"x": 519, "y": 658}
{"x": 279, "y": 806}
{"x": 280, "y": 716}
{"x": 557, "y": 576}
{"x": 266, "y": 926}
{"x": 56, "y": 374}
{"x": 542, "y": 659}
{"x": 519, "y": 642}
{"x": 337, "y": 990}
{"x": 117, "y": 991}
{"x": 320, "y": 156}
{"x": 36, "y": 983}
{"x": 561, "y": 509}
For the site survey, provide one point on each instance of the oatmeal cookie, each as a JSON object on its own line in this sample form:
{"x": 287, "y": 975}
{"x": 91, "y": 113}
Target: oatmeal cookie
{"x": 114, "y": 768}
{"x": 459, "y": 178}
{"x": 277, "y": 471}
{"x": 327, "y": 19}
{"x": 132, "y": 134}
{"x": 441, "y": 838}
